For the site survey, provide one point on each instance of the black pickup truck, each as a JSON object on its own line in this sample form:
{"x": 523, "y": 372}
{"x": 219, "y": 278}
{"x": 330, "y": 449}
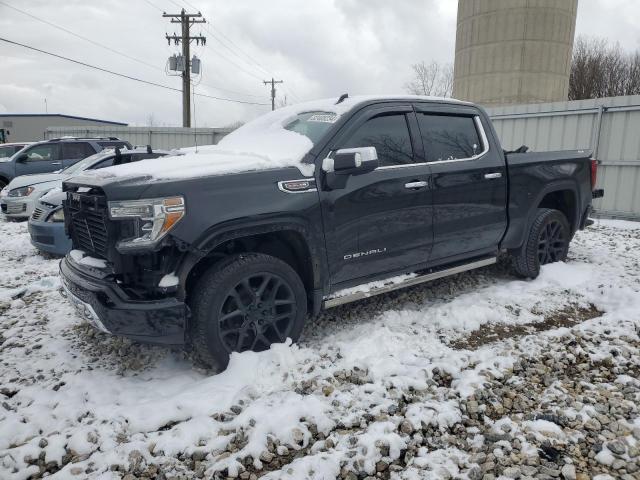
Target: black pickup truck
{"x": 231, "y": 248}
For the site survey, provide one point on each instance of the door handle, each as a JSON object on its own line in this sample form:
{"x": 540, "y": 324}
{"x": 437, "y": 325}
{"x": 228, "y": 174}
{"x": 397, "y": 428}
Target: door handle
{"x": 56, "y": 163}
{"x": 412, "y": 185}
{"x": 489, "y": 176}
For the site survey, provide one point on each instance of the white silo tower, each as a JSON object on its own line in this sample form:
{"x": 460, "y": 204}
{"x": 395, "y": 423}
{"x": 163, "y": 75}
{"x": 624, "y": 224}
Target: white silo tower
{"x": 514, "y": 51}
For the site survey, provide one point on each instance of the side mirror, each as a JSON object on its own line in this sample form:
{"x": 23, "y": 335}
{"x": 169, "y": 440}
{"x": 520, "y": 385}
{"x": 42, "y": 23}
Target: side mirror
{"x": 351, "y": 161}
{"x": 22, "y": 158}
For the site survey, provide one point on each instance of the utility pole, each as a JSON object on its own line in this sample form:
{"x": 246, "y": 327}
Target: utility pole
{"x": 186, "y": 20}
{"x": 273, "y": 91}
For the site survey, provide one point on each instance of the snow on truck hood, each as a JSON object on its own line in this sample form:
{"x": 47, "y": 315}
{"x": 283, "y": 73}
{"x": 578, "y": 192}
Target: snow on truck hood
{"x": 261, "y": 144}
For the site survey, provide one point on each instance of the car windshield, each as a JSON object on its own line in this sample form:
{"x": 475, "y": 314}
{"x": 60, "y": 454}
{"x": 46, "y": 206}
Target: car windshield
{"x": 85, "y": 163}
{"x": 312, "y": 125}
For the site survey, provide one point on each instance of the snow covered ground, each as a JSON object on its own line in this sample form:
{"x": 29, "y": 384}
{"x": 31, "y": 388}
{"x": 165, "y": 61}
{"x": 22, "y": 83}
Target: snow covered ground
{"x": 477, "y": 376}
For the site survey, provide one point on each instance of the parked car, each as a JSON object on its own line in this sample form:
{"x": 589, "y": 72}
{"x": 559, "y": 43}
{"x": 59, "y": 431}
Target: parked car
{"x": 309, "y": 207}
{"x": 55, "y": 154}
{"x": 21, "y": 185}
{"x": 46, "y": 224}
{"x": 8, "y": 150}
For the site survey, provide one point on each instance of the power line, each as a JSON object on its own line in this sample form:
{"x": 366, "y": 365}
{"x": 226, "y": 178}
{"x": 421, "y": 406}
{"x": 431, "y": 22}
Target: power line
{"x": 252, "y": 62}
{"x": 166, "y": 87}
{"x": 81, "y": 37}
{"x": 186, "y": 21}
{"x": 223, "y": 56}
{"x": 154, "y": 6}
{"x": 242, "y": 51}
{"x": 113, "y": 50}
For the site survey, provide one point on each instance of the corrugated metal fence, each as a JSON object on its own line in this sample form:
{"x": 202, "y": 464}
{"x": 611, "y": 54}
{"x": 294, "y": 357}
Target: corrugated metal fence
{"x": 608, "y": 126}
{"x": 157, "y": 137}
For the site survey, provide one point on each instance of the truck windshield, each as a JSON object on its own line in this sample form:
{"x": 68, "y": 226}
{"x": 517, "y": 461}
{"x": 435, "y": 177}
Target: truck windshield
{"x": 312, "y": 125}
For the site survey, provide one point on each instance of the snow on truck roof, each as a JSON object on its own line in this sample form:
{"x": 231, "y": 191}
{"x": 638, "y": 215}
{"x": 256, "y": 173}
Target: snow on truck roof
{"x": 266, "y": 142}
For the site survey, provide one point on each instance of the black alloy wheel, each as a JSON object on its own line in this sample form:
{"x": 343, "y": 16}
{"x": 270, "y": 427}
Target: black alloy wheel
{"x": 547, "y": 242}
{"x": 244, "y": 302}
{"x": 258, "y": 311}
{"x": 552, "y": 244}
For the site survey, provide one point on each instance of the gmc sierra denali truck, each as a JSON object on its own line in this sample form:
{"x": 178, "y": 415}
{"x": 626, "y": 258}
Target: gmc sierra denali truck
{"x": 230, "y": 248}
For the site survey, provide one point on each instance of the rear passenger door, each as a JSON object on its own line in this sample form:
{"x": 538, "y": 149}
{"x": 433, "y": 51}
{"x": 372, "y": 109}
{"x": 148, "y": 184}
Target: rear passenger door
{"x": 380, "y": 221}
{"x": 469, "y": 182}
{"x": 75, "y": 151}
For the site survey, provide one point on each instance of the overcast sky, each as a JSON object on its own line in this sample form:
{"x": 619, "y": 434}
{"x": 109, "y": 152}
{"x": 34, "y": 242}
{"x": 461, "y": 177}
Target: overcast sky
{"x": 318, "y": 47}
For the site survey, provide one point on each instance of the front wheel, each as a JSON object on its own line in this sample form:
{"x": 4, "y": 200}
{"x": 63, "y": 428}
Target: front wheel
{"x": 246, "y": 302}
{"x": 548, "y": 242}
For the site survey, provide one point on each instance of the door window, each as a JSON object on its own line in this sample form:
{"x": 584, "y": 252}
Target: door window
{"x": 41, "y": 153}
{"x": 389, "y": 134}
{"x": 76, "y": 150}
{"x": 449, "y": 137}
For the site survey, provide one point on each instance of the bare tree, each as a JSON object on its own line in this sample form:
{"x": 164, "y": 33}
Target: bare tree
{"x": 434, "y": 79}
{"x": 602, "y": 70}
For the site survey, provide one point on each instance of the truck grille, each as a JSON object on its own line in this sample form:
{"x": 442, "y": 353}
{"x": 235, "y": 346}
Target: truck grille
{"x": 37, "y": 214}
{"x": 88, "y": 222}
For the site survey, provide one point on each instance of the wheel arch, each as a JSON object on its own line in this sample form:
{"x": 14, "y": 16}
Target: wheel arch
{"x": 564, "y": 200}
{"x": 290, "y": 240}
{"x": 551, "y": 195}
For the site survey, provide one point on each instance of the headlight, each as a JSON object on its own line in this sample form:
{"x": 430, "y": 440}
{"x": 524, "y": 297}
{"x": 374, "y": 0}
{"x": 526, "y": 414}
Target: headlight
{"x": 154, "y": 218}
{"x": 21, "y": 192}
{"x": 56, "y": 216}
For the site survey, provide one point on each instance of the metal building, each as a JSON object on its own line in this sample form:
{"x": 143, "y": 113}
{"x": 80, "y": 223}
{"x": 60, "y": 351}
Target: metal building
{"x": 608, "y": 126}
{"x": 27, "y": 127}
{"x": 158, "y": 137}
{"x": 514, "y": 51}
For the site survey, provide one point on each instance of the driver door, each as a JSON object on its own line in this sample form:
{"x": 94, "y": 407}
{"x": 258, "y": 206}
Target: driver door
{"x": 381, "y": 221}
{"x": 42, "y": 158}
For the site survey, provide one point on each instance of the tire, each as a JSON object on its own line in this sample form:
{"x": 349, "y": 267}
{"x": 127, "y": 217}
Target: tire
{"x": 245, "y": 302}
{"x": 3, "y": 183}
{"x": 548, "y": 242}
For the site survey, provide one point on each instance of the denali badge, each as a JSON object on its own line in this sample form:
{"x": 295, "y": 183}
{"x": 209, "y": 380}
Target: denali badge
{"x": 350, "y": 256}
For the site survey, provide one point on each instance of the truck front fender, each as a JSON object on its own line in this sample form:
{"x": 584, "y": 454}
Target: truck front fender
{"x": 204, "y": 249}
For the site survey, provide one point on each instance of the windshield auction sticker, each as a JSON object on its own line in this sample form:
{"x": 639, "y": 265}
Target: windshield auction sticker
{"x": 323, "y": 117}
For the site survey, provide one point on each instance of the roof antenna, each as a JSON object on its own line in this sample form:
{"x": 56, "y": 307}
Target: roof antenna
{"x": 342, "y": 98}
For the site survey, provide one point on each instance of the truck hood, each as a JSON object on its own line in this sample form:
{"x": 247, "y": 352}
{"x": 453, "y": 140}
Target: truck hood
{"x": 26, "y": 180}
{"x": 208, "y": 162}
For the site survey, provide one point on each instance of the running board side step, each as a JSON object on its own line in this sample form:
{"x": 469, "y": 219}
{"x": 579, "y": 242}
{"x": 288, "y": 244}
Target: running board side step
{"x": 341, "y": 300}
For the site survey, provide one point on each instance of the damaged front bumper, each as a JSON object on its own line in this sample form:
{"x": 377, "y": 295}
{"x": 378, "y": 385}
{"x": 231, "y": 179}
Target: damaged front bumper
{"x": 101, "y": 301}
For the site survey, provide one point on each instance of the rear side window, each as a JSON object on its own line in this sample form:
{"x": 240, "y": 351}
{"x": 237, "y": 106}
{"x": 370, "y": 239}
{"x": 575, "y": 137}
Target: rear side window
{"x": 76, "y": 150}
{"x": 448, "y": 137}
{"x": 389, "y": 134}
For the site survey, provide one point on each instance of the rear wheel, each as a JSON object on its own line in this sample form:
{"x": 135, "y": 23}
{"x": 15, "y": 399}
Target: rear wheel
{"x": 548, "y": 242}
{"x": 246, "y": 302}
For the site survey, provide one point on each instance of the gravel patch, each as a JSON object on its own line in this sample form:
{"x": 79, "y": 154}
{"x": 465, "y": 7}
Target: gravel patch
{"x": 479, "y": 376}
